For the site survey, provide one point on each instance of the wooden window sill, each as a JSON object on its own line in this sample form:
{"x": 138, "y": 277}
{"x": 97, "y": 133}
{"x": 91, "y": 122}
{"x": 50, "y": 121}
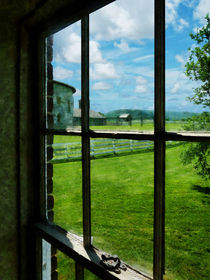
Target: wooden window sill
{"x": 89, "y": 258}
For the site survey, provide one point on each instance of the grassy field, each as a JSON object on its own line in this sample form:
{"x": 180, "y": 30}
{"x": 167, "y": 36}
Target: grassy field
{"x": 122, "y": 212}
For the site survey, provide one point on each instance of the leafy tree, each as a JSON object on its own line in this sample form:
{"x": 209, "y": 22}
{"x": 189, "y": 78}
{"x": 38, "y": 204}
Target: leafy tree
{"x": 198, "y": 66}
{"x": 198, "y": 69}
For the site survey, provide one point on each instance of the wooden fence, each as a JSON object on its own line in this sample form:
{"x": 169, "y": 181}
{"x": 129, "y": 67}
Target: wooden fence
{"x": 72, "y": 151}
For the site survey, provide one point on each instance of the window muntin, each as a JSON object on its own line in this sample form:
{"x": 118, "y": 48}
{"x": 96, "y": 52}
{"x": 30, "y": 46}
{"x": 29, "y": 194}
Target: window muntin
{"x": 158, "y": 137}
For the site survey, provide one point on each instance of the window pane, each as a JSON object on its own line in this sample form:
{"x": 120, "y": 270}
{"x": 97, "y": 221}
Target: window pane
{"x": 183, "y": 18}
{"x": 64, "y": 78}
{"x": 66, "y": 181}
{"x": 122, "y": 66}
{"x": 65, "y": 267}
{"x": 90, "y": 276}
{"x": 187, "y": 212}
{"x": 122, "y": 200}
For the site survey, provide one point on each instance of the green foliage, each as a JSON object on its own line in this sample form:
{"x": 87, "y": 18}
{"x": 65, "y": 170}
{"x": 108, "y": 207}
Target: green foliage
{"x": 198, "y": 123}
{"x": 199, "y": 155}
{"x": 149, "y": 115}
{"x": 198, "y": 66}
{"x": 198, "y": 69}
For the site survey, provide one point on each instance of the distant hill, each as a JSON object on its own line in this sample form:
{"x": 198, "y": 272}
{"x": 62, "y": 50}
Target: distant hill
{"x": 148, "y": 114}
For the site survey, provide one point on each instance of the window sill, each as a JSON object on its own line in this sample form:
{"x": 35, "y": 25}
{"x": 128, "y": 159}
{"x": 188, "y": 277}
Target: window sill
{"x": 89, "y": 258}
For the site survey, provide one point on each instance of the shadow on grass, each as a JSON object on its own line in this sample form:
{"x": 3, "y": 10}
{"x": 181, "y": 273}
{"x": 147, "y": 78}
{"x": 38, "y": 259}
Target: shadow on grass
{"x": 205, "y": 190}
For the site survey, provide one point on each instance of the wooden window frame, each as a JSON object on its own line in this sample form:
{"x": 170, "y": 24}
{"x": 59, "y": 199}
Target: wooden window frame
{"x": 85, "y": 255}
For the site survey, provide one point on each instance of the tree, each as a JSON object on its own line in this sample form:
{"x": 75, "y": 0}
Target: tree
{"x": 198, "y": 66}
{"x": 198, "y": 69}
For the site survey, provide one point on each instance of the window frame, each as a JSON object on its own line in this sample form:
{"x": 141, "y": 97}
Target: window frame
{"x": 58, "y": 237}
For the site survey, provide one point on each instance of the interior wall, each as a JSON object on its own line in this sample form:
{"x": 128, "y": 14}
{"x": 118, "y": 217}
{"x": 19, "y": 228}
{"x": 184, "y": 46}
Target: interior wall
{"x": 8, "y": 153}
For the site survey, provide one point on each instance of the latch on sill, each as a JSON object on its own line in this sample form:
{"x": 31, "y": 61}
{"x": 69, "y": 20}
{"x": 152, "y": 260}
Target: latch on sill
{"x": 112, "y": 263}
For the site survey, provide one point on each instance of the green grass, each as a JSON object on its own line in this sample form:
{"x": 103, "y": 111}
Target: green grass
{"x": 122, "y": 212}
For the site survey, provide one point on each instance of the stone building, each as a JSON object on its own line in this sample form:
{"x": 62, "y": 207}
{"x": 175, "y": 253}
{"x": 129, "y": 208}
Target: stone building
{"x": 63, "y": 104}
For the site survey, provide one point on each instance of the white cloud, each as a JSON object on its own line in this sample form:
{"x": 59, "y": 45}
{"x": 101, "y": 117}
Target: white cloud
{"x": 78, "y": 92}
{"x": 60, "y": 73}
{"x": 70, "y": 50}
{"x": 132, "y": 19}
{"x": 103, "y": 71}
{"x": 181, "y": 24}
{"x": 144, "y": 57}
{"x": 124, "y": 47}
{"x": 141, "y": 85}
{"x": 201, "y": 10}
{"x": 175, "y": 88}
{"x": 180, "y": 59}
{"x": 172, "y": 16}
{"x": 101, "y": 86}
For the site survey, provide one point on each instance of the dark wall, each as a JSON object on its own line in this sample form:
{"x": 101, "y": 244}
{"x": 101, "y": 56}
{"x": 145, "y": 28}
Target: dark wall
{"x": 8, "y": 152}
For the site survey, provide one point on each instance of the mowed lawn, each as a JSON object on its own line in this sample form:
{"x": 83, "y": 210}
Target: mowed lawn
{"x": 122, "y": 212}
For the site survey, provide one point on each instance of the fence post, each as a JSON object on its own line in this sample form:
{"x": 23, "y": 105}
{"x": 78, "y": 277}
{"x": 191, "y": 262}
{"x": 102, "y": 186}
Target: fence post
{"x": 131, "y": 145}
{"x": 92, "y": 147}
{"x": 113, "y": 144}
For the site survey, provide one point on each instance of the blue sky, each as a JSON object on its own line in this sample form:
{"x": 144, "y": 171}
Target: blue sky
{"x": 122, "y": 55}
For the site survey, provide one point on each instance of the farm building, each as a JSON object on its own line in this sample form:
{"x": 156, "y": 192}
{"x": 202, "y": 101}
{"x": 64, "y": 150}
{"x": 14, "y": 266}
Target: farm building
{"x": 95, "y": 118}
{"x": 125, "y": 119}
{"x": 63, "y": 104}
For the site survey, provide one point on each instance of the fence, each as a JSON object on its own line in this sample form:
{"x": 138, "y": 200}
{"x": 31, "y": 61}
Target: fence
{"x": 72, "y": 151}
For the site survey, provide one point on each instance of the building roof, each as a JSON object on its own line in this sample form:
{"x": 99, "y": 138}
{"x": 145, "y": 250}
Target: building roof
{"x": 65, "y": 85}
{"x": 93, "y": 114}
{"x": 124, "y": 116}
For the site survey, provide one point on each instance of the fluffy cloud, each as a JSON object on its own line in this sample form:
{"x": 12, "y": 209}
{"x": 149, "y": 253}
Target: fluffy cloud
{"x": 77, "y": 93}
{"x": 132, "y": 19}
{"x": 141, "y": 85}
{"x": 201, "y": 10}
{"x": 70, "y": 51}
{"x": 172, "y": 17}
{"x": 61, "y": 73}
{"x": 180, "y": 59}
{"x": 101, "y": 86}
{"x": 175, "y": 88}
{"x": 124, "y": 47}
{"x": 101, "y": 71}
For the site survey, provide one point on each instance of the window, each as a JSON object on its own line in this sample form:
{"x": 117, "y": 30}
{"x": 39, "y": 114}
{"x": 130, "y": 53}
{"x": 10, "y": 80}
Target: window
{"x": 81, "y": 249}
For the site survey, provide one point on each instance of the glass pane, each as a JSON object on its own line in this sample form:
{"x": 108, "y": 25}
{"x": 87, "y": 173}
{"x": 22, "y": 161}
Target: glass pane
{"x": 64, "y": 78}
{"x": 122, "y": 66}
{"x": 65, "y": 267}
{"x": 187, "y": 84}
{"x": 122, "y": 200}
{"x": 65, "y": 169}
{"x": 90, "y": 276}
{"x": 187, "y": 211}
{"x": 46, "y": 260}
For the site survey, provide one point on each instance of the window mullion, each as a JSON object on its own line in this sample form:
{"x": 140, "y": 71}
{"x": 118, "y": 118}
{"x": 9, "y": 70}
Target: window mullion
{"x": 79, "y": 271}
{"x": 85, "y": 135}
{"x": 159, "y": 164}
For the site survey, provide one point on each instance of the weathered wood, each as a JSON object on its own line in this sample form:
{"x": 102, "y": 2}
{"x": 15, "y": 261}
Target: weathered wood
{"x": 79, "y": 271}
{"x": 159, "y": 156}
{"x": 85, "y": 129}
{"x": 89, "y": 258}
{"x": 146, "y": 135}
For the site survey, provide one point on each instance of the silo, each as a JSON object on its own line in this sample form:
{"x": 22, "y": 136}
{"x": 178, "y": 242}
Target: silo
{"x": 63, "y": 104}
